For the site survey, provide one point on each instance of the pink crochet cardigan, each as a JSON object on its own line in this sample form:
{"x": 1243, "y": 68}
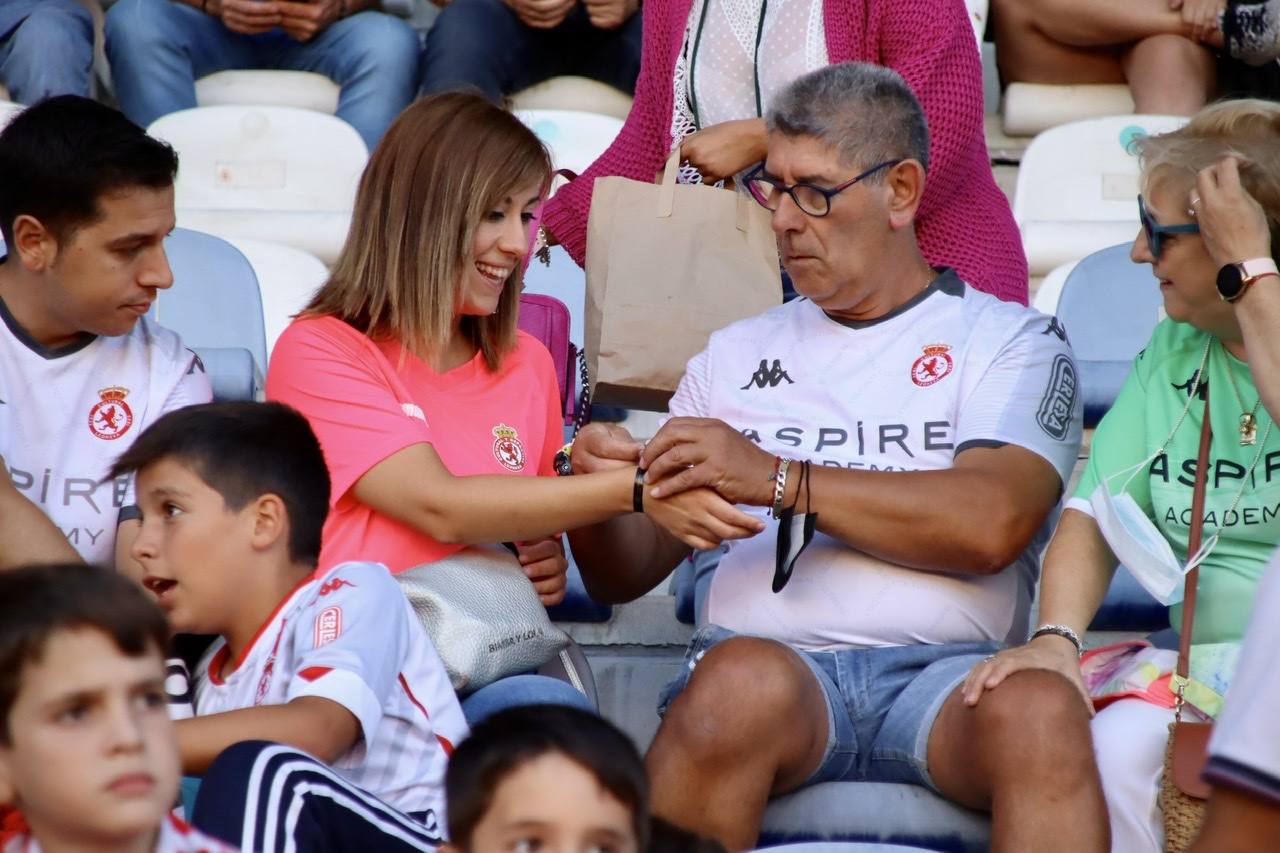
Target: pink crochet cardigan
{"x": 964, "y": 220}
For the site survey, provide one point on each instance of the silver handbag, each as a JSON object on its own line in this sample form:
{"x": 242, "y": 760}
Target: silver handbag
{"x": 483, "y": 615}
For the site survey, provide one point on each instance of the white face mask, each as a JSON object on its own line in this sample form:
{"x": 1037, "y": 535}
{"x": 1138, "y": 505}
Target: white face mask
{"x": 1139, "y": 544}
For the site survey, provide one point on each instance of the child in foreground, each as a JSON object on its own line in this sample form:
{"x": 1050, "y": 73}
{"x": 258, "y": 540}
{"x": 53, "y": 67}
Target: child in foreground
{"x": 323, "y": 715}
{"x": 87, "y": 751}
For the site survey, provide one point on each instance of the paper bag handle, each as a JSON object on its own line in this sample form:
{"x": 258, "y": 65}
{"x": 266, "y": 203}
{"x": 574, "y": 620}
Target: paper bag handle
{"x": 667, "y": 191}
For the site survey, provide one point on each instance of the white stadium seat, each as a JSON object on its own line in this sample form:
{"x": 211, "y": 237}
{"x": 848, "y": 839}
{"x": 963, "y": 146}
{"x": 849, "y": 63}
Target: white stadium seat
{"x": 1030, "y": 108}
{"x": 280, "y": 174}
{"x": 1077, "y": 188}
{"x": 573, "y": 93}
{"x": 575, "y": 138}
{"x": 304, "y": 90}
{"x": 8, "y": 109}
{"x": 1046, "y": 299}
{"x": 977, "y": 17}
{"x": 287, "y": 278}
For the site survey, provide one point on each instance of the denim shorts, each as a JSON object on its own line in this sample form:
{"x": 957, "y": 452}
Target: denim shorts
{"x": 881, "y": 703}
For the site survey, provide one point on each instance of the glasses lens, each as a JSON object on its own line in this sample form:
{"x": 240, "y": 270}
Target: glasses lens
{"x": 763, "y": 191}
{"x": 1148, "y": 225}
{"x": 810, "y": 200}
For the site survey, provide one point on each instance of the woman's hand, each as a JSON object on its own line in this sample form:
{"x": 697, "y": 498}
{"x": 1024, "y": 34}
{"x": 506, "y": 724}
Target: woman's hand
{"x": 544, "y": 563}
{"x": 1048, "y": 651}
{"x": 1232, "y": 223}
{"x": 723, "y": 150}
{"x": 1200, "y": 17}
{"x": 701, "y": 519}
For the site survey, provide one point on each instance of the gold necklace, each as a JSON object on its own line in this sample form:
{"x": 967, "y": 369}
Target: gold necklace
{"x": 1249, "y": 419}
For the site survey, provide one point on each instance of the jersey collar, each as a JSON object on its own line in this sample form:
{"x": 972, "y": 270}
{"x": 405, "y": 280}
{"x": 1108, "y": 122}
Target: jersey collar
{"x": 946, "y": 282}
{"x": 48, "y": 353}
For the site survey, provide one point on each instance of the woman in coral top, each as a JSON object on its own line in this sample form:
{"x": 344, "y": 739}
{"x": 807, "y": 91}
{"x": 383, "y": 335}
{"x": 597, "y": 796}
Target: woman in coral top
{"x": 439, "y": 420}
{"x": 711, "y": 67}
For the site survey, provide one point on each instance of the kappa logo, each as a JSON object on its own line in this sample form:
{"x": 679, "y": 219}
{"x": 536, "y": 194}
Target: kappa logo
{"x": 933, "y": 366}
{"x": 334, "y": 585}
{"x": 1059, "y": 401}
{"x": 328, "y": 626}
{"x": 1056, "y": 329}
{"x": 111, "y": 416}
{"x": 1193, "y": 384}
{"x": 768, "y": 376}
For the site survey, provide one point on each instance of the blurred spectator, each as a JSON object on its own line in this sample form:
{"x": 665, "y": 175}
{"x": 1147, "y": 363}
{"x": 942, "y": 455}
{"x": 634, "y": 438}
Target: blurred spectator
{"x": 540, "y": 39}
{"x": 46, "y": 49}
{"x": 1159, "y": 47}
{"x": 712, "y": 69}
{"x": 158, "y": 48}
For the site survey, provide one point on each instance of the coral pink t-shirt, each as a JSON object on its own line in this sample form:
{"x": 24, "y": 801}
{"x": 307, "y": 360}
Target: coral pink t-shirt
{"x": 366, "y": 400}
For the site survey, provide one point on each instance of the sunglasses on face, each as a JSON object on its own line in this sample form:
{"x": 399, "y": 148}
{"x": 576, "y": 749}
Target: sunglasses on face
{"x": 811, "y": 199}
{"x": 1155, "y": 231}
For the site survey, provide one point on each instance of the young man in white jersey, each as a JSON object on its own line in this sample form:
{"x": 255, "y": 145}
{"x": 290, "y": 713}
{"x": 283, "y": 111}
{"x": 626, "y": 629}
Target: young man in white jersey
{"x": 87, "y": 750}
{"x": 913, "y": 435}
{"x": 336, "y": 665}
{"x": 86, "y": 199}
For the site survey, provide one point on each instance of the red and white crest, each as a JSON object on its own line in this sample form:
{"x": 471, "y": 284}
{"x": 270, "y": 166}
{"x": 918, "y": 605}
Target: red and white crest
{"x": 111, "y": 416}
{"x": 507, "y": 448}
{"x": 933, "y": 366}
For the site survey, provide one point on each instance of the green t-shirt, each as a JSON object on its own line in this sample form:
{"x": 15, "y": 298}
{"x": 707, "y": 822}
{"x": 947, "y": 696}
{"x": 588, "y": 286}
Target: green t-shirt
{"x": 1148, "y": 406}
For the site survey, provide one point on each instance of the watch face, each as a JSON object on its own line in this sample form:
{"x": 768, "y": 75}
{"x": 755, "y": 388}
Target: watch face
{"x": 1230, "y": 282}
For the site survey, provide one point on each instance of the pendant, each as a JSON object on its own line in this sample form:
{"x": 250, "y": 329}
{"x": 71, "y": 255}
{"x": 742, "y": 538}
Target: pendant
{"x": 1248, "y": 429}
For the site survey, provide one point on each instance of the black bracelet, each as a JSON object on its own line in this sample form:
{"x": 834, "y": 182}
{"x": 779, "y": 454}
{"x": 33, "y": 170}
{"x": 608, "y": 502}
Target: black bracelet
{"x": 637, "y": 491}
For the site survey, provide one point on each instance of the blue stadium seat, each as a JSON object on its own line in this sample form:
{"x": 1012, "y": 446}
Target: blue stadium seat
{"x": 216, "y": 307}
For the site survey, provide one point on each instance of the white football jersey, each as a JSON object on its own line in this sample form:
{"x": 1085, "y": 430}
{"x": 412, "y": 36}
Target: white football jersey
{"x": 951, "y": 369}
{"x": 67, "y": 413}
{"x": 351, "y": 636}
{"x": 176, "y": 836}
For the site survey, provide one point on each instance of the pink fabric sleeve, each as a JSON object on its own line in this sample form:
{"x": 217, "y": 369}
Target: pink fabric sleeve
{"x": 331, "y": 374}
{"x": 964, "y": 220}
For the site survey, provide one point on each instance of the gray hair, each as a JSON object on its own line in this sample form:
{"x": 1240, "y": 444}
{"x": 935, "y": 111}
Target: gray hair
{"x": 867, "y": 113}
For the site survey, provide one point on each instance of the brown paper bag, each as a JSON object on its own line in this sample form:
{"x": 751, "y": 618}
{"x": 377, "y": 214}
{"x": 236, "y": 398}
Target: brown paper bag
{"x": 667, "y": 265}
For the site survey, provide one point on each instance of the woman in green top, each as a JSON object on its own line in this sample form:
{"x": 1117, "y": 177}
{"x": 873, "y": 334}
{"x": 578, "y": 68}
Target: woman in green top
{"x": 1210, "y": 210}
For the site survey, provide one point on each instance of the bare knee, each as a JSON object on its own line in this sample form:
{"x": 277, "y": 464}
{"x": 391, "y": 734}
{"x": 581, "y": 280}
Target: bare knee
{"x": 1169, "y": 74}
{"x": 1034, "y": 715}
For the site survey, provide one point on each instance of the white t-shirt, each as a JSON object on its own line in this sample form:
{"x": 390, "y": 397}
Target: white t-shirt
{"x": 176, "y": 836}
{"x": 951, "y": 369}
{"x": 351, "y": 636}
{"x": 67, "y": 413}
{"x": 1244, "y": 752}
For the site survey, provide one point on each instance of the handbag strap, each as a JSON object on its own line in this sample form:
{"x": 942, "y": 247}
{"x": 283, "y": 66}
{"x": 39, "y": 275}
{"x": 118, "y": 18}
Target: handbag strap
{"x": 1193, "y": 545}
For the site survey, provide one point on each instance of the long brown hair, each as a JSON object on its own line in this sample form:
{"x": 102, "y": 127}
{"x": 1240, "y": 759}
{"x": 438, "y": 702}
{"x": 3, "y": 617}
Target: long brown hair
{"x": 443, "y": 164}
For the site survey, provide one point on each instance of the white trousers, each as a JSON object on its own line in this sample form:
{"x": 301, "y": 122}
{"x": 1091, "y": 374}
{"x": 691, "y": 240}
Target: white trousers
{"x": 1129, "y": 738}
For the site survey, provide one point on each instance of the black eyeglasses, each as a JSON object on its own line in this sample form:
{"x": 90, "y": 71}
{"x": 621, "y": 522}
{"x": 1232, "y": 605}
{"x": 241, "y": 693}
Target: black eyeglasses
{"x": 812, "y": 200}
{"x": 1156, "y": 231}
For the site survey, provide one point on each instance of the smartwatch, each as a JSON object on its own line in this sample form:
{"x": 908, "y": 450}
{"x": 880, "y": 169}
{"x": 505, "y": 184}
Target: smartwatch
{"x": 1234, "y": 279}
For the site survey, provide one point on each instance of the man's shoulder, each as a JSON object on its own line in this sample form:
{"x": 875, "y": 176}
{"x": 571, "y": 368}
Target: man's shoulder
{"x": 155, "y": 345}
{"x": 352, "y": 584}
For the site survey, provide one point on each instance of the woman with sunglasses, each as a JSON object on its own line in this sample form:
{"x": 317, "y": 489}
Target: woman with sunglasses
{"x": 1210, "y": 213}
{"x": 711, "y": 68}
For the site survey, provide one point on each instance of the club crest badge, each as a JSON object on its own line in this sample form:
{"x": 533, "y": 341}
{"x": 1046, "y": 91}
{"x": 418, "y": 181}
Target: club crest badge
{"x": 933, "y": 366}
{"x": 507, "y": 448}
{"x": 111, "y": 416}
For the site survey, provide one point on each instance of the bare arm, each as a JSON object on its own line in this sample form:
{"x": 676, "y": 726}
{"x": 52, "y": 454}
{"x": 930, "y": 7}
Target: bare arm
{"x": 973, "y": 518}
{"x": 26, "y": 534}
{"x": 318, "y": 726}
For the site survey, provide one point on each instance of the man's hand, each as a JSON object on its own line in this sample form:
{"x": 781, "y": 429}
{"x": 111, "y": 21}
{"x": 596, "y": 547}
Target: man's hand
{"x": 541, "y": 14}
{"x": 610, "y": 14}
{"x": 1232, "y": 223}
{"x": 544, "y": 563}
{"x": 249, "y": 17}
{"x": 1045, "y": 652}
{"x": 691, "y": 452}
{"x": 723, "y": 150}
{"x": 700, "y": 518}
{"x": 304, "y": 19}
{"x": 602, "y": 447}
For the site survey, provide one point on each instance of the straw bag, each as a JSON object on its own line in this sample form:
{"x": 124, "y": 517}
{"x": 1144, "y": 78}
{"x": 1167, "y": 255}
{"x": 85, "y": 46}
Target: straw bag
{"x": 1182, "y": 792}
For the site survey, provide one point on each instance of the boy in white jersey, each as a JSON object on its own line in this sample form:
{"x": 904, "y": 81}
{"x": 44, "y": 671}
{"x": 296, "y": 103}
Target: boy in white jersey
{"x": 86, "y": 199}
{"x": 905, "y": 439}
{"x": 87, "y": 750}
{"x": 336, "y": 666}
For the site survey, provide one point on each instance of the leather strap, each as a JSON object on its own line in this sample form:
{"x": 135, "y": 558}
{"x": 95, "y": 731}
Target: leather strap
{"x": 1193, "y": 542}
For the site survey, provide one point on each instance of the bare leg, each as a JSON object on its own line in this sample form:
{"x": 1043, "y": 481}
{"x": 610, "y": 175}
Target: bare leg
{"x": 752, "y": 722}
{"x": 1024, "y": 754}
{"x": 1169, "y": 75}
{"x": 1237, "y": 823}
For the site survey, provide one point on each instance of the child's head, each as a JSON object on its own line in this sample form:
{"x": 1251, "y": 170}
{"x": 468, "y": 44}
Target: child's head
{"x": 87, "y": 751}
{"x": 224, "y": 489}
{"x": 557, "y": 777}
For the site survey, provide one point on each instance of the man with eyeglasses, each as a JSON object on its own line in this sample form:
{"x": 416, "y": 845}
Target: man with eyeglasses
{"x": 904, "y": 438}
